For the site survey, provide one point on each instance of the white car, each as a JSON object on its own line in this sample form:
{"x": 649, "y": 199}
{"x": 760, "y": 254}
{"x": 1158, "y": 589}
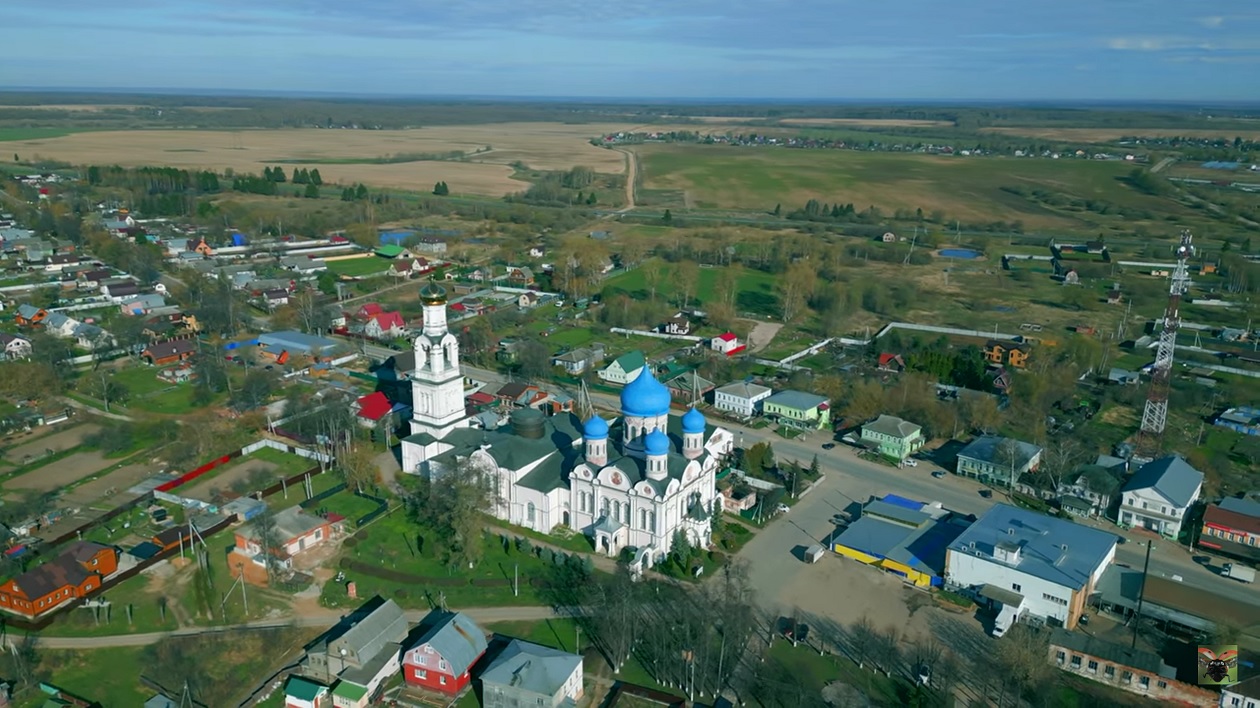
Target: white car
{"x": 910, "y": 462}
{"x": 782, "y": 509}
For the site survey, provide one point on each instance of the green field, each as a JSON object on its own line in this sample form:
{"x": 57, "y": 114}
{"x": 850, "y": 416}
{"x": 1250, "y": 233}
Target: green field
{"x": 756, "y": 289}
{"x": 965, "y": 188}
{"x": 7, "y": 134}
{"x": 359, "y": 267}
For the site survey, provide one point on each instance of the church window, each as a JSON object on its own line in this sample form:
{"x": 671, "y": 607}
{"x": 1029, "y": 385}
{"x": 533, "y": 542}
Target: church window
{"x": 529, "y": 511}
{"x": 643, "y": 518}
{"x": 652, "y": 521}
{"x": 604, "y": 507}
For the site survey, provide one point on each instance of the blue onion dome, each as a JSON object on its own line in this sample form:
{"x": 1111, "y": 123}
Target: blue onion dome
{"x": 656, "y": 443}
{"x": 595, "y": 429}
{"x": 693, "y": 421}
{"x": 645, "y": 396}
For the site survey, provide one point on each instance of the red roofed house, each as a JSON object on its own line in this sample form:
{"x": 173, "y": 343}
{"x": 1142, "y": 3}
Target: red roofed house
{"x": 385, "y": 325}
{"x": 481, "y": 399}
{"x": 1232, "y": 528}
{"x": 76, "y": 572}
{"x": 442, "y": 659}
{"x": 891, "y": 362}
{"x": 367, "y": 311}
{"x": 727, "y": 344}
{"x": 371, "y": 408}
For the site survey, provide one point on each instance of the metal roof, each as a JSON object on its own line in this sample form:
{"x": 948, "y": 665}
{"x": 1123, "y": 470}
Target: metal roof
{"x": 892, "y": 426}
{"x": 744, "y": 389}
{"x": 1110, "y": 652}
{"x": 796, "y": 400}
{"x": 1053, "y": 549}
{"x": 985, "y": 448}
{"x": 456, "y": 638}
{"x": 532, "y": 667}
{"x": 1171, "y": 477}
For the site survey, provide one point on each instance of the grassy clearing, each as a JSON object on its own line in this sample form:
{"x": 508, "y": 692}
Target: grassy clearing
{"x": 360, "y": 267}
{"x": 107, "y": 676}
{"x": 756, "y": 289}
{"x": 960, "y": 188}
{"x": 8, "y": 134}
{"x": 558, "y": 633}
{"x": 286, "y": 464}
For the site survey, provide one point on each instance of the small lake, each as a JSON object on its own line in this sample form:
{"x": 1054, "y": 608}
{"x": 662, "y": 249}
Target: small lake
{"x": 965, "y": 253}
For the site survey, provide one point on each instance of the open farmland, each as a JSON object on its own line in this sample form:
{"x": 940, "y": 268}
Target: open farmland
{"x": 61, "y": 473}
{"x": 1103, "y": 135}
{"x": 63, "y": 439}
{"x": 969, "y": 189}
{"x": 373, "y": 157}
{"x": 824, "y": 122}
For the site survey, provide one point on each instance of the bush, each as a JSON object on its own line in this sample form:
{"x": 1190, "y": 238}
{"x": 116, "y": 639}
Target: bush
{"x": 350, "y": 542}
{"x": 345, "y": 563}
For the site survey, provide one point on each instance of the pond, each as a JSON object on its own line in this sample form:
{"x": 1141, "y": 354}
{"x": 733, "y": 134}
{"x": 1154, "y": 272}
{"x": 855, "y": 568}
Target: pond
{"x": 965, "y": 253}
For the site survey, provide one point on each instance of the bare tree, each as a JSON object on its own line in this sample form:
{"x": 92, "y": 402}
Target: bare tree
{"x": 794, "y": 287}
{"x": 1061, "y": 455}
{"x": 864, "y": 640}
{"x": 450, "y": 503}
{"x": 654, "y": 273}
{"x": 264, "y": 526}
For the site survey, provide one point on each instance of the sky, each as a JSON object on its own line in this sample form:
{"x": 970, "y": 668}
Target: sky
{"x": 1098, "y": 50}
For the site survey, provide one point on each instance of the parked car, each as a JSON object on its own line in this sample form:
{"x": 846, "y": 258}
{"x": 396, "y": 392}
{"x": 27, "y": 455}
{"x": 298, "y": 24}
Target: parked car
{"x": 829, "y": 446}
{"x": 938, "y": 474}
{"x": 782, "y": 509}
{"x": 910, "y": 462}
{"x": 986, "y": 493}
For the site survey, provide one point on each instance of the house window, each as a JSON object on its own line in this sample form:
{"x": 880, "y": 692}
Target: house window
{"x": 1127, "y": 677}
{"x": 1162, "y": 684}
{"x": 424, "y": 660}
{"x": 319, "y": 534}
{"x": 1016, "y": 587}
{"x": 1092, "y": 666}
{"x": 442, "y": 680}
{"x": 1110, "y": 671}
{"x": 421, "y": 674}
{"x": 1060, "y": 657}
{"x": 1144, "y": 681}
{"x": 428, "y": 649}
{"x": 1076, "y": 662}
{"x": 442, "y": 665}
{"x": 643, "y": 518}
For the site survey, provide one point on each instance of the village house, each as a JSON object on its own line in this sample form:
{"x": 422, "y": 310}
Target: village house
{"x": 890, "y": 362}
{"x": 1004, "y": 352}
{"x": 1089, "y": 491}
{"x": 284, "y": 345}
{"x": 1018, "y": 563}
{"x": 199, "y": 246}
{"x": 1245, "y": 693}
{"x": 75, "y": 573}
{"x": 302, "y": 692}
{"x": 94, "y": 278}
{"x": 29, "y": 315}
{"x": 13, "y": 346}
{"x": 580, "y": 360}
{"x": 120, "y": 291}
{"x": 369, "y": 638}
{"x": 169, "y": 352}
{"x": 1158, "y": 496}
{"x": 442, "y": 658}
{"x": 741, "y": 398}
{"x": 520, "y": 395}
{"x": 273, "y": 299}
{"x": 393, "y": 251}
{"x": 480, "y": 274}
{"x": 689, "y": 387}
{"x": 385, "y": 325}
{"x": 528, "y": 674}
{"x": 57, "y": 264}
{"x": 303, "y": 265}
{"x": 726, "y": 344}
{"x": 996, "y": 460}
{"x": 527, "y": 300}
{"x": 1128, "y": 669}
{"x": 431, "y": 244}
{"x": 91, "y": 337}
{"x": 294, "y": 531}
{"x": 142, "y": 304}
{"x": 60, "y": 325}
{"x": 624, "y": 369}
{"x": 678, "y": 324}
{"x": 798, "y": 409}
{"x": 369, "y": 410}
{"x": 520, "y": 276}
{"x": 1232, "y": 528}
{"x": 893, "y": 437}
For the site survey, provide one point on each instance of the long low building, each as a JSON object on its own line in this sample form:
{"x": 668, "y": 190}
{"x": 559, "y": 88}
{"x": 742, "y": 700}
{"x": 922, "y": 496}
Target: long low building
{"x": 904, "y": 537}
{"x": 1176, "y": 607}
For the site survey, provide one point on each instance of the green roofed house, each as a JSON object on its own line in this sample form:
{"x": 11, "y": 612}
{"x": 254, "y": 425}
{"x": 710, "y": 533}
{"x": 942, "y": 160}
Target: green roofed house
{"x": 624, "y": 368}
{"x": 893, "y": 437}
{"x": 797, "y": 409}
{"x": 304, "y": 693}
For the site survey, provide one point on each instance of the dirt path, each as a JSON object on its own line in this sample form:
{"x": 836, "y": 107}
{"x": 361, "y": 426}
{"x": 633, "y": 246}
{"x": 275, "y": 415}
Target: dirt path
{"x": 632, "y": 171}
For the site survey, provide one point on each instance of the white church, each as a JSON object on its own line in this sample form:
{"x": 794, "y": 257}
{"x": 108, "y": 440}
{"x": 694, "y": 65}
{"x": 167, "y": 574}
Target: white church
{"x": 631, "y": 483}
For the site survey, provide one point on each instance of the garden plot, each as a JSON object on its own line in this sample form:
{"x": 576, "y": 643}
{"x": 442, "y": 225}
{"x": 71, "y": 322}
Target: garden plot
{"x": 61, "y": 440}
{"x": 233, "y": 478}
{"x": 114, "y": 485}
{"x": 60, "y": 474}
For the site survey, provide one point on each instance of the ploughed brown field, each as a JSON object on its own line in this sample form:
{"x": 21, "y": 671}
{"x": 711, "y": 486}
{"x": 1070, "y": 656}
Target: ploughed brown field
{"x": 548, "y": 146}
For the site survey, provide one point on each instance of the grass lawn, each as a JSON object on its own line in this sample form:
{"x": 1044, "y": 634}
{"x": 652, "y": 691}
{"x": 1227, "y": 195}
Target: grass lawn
{"x": 558, "y": 633}
{"x": 389, "y": 543}
{"x": 571, "y": 337}
{"x": 812, "y": 672}
{"x": 110, "y": 677}
{"x": 319, "y": 483}
{"x": 146, "y": 613}
{"x": 360, "y": 267}
{"x": 140, "y": 381}
{"x": 287, "y": 464}
{"x": 756, "y": 289}
{"x": 569, "y": 541}
{"x": 963, "y": 188}
{"x": 348, "y": 505}
{"x": 228, "y": 608}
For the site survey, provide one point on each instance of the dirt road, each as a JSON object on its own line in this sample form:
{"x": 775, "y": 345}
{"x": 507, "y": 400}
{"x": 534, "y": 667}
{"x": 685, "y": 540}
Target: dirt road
{"x": 324, "y": 618}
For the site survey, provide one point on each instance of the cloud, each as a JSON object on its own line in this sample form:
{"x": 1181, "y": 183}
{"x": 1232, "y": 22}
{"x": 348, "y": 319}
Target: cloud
{"x": 1139, "y": 44}
{"x": 1212, "y": 21}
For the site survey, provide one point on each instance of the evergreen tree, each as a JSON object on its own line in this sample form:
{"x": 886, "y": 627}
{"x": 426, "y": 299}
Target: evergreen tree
{"x": 312, "y": 192}
{"x": 590, "y": 199}
{"x": 299, "y": 176}
{"x": 278, "y": 174}
{"x": 360, "y": 192}
{"x": 581, "y": 198}
{"x": 440, "y": 189}
{"x": 347, "y": 194}
{"x": 267, "y": 174}
{"x": 93, "y": 173}
{"x": 314, "y": 177}
{"x": 778, "y": 209}
{"x": 667, "y": 218}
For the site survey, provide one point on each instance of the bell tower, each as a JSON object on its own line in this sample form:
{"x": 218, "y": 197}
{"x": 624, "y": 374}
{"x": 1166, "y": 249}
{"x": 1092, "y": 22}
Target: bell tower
{"x": 437, "y": 384}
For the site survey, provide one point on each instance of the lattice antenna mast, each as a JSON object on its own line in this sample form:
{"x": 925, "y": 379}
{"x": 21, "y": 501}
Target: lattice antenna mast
{"x": 1155, "y": 414}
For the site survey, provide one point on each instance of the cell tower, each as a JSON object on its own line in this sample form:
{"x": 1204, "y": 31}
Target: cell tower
{"x": 1155, "y": 415}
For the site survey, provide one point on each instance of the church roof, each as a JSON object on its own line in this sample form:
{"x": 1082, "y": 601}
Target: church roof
{"x": 645, "y": 396}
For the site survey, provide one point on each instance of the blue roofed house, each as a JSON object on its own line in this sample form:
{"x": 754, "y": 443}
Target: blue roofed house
{"x": 1159, "y": 494}
{"x": 1020, "y": 563}
{"x": 528, "y": 674}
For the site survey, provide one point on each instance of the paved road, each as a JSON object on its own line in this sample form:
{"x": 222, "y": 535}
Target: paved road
{"x": 324, "y": 618}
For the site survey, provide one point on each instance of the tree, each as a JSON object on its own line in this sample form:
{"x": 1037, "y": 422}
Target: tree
{"x": 686, "y": 279}
{"x": 667, "y": 218}
{"x": 1061, "y": 455}
{"x": 865, "y": 400}
{"x": 980, "y": 413}
{"x": 449, "y": 502}
{"x": 268, "y": 537}
{"x": 360, "y": 192}
{"x": 1009, "y": 455}
{"x": 654, "y": 273}
{"x": 778, "y": 209}
{"x": 311, "y": 191}
{"x": 315, "y": 178}
{"x": 100, "y": 384}
{"x": 441, "y": 190}
{"x": 794, "y": 287}
{"x": 533, "y": 360}
{"x": 277, "y": 174}
{"x": 358, "y": 466}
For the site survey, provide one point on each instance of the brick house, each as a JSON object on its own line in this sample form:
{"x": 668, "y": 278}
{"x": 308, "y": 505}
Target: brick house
{"x": 1004, "y": 352}
{"x": 1232, "y": 528}
{"x": 78, "y": 571}
{"x": 1118, "y": 666}
{"x": 385, "y": 325}
{"x": 442, "y": 658}
{"x": 295, "y": 532}
{"x": 169, "y": 352}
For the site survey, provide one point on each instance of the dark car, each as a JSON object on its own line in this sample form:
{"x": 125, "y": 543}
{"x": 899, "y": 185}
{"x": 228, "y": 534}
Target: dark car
{"x": 829, "y": 446}
{"x": 986, "y": 493}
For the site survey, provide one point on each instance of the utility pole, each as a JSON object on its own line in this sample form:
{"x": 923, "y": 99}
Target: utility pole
{"x": 1137, "y": 619}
